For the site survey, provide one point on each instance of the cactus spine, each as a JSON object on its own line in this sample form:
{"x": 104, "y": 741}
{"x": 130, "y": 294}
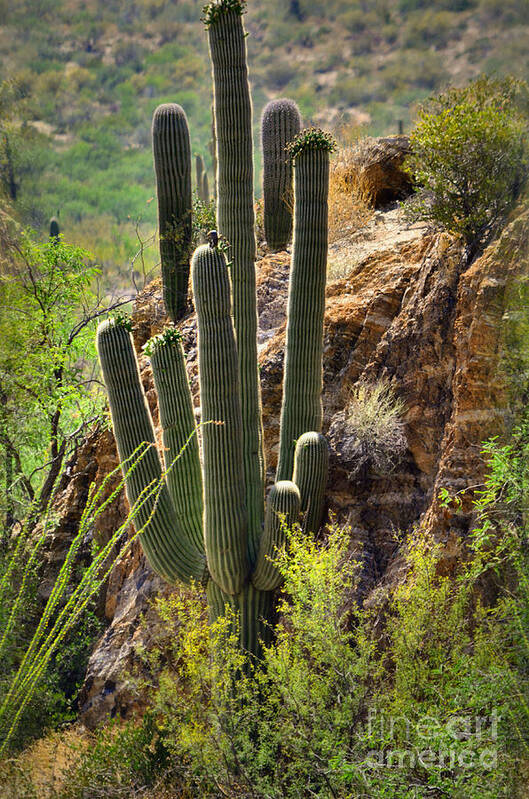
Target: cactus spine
{"x": 172, "y": 165}
{"x": 235, "y": 535}
{"x": 280, "y": 124}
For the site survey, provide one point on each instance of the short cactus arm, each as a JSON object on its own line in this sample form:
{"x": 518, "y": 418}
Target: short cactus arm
{"x": 180, "y": 436}
{"x": 168, "y": 549}
{"x": 282, "y": 510}
{"x": 236, "y": 222}
{"x": 311, "y": 466}
{"x": 301, "y": 407}
{"x": 280, "y": 123}
{"x": 225, "y": 521}
{"x": 172, "y": 165}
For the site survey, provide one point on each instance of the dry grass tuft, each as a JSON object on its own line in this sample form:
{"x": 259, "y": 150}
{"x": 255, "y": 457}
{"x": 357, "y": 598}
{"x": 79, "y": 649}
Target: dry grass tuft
{"x": 369, "y": 434}
{"x": 347, "y": 211}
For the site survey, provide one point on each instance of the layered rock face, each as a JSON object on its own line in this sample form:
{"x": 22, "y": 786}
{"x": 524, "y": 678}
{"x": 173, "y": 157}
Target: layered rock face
{"x": 409, "y": 311}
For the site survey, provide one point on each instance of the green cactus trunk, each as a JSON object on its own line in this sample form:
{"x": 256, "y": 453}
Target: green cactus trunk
{"x": 172, "y": 165}
{"x": 301, "y": 409}
{"x": 280, "y": 124}
{"x": 225, "y": 521}
{"x": 236, "y": 222}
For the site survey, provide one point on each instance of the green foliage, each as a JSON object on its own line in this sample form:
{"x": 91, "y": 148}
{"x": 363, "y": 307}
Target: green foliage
{"x": 122, "y": 760}
{"x": 46, "y": 328}
{"x": 29, "y": 669}
{"x": 204, "y": 219}
{"x": 335, "y": 710}
{"x": 470, "y": 158}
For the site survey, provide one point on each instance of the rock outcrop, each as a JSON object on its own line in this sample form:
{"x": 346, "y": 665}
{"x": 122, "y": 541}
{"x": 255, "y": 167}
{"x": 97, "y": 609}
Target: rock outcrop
{"x": 409, "y": 311}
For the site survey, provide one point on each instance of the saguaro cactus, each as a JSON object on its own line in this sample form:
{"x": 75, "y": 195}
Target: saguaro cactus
{"x": 280, "y": 124}
{"x": 228, "y": 541}
{"x": 54, "y": 230}
{"x": 172, "y": 165}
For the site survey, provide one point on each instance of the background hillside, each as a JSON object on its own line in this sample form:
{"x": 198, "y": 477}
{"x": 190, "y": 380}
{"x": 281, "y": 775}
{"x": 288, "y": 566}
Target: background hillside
{"x": 84, "y": 76}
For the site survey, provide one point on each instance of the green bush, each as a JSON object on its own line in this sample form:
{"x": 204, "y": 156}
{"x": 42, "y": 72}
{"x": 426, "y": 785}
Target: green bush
{"x": 121, "y": 762}
{"x": 431, "y": 28}
{"x": 470, "y": 157}
{"x": 434, "y": 704}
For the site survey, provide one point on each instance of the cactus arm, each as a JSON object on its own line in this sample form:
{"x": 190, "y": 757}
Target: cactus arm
{"x": 301, "y": 406}
{"x": 282, "y": 510}
{"x": 225, "y": 522}
{"x": 168, "y": 550}
{"x": 311, "y": 466}
{"x": 180, "y": 440}
{"x": 280, "y": 123}
{"x": 172, "y": 165}
{"x": 235, "y": 219}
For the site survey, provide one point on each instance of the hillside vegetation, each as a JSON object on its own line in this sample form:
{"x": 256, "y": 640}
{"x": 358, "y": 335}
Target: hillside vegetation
{"x": 83, "y": 78}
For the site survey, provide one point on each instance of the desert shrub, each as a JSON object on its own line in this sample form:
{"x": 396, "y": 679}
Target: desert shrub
{"x": 121, "y": 761}
{"x": 434, "y": 704}
{"x": 512, "y": 12}
{"x": 469, "y": 155}
{"x": 276, "y": 733}
{"x": 368, "y": 435}
{"x": 412, "y": 68}
{"x": 203, "y": 219}
{"x": 431, "y": 27}
{"x": 450, "y": 5}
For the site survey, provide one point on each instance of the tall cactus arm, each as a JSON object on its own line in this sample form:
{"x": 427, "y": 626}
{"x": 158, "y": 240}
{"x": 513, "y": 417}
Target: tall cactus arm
{"x": 280, "y": 124}
{"x": 301, "y": 406}
{"x": 282, "y": 510}
{"x": 168, "y": 549}
{"x": 311, "y": 466}
{"x": 235, "y": 220}
{"x": 225, "y": 522}
{"x": 180, "y": 437}
{"x": 172, "y": 165}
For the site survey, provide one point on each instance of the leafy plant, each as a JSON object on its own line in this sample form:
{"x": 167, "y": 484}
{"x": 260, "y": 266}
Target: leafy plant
{"x": 47, "y": 383}
{"x": 470, "y": 158}
{"x": 69, "y": 599}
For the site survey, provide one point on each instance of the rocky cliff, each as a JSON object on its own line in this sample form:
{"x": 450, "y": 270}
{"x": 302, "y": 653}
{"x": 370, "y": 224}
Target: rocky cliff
{"x": 407, "y": 309}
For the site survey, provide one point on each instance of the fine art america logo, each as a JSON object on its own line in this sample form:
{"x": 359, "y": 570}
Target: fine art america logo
{"x": 460, "y": 742}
